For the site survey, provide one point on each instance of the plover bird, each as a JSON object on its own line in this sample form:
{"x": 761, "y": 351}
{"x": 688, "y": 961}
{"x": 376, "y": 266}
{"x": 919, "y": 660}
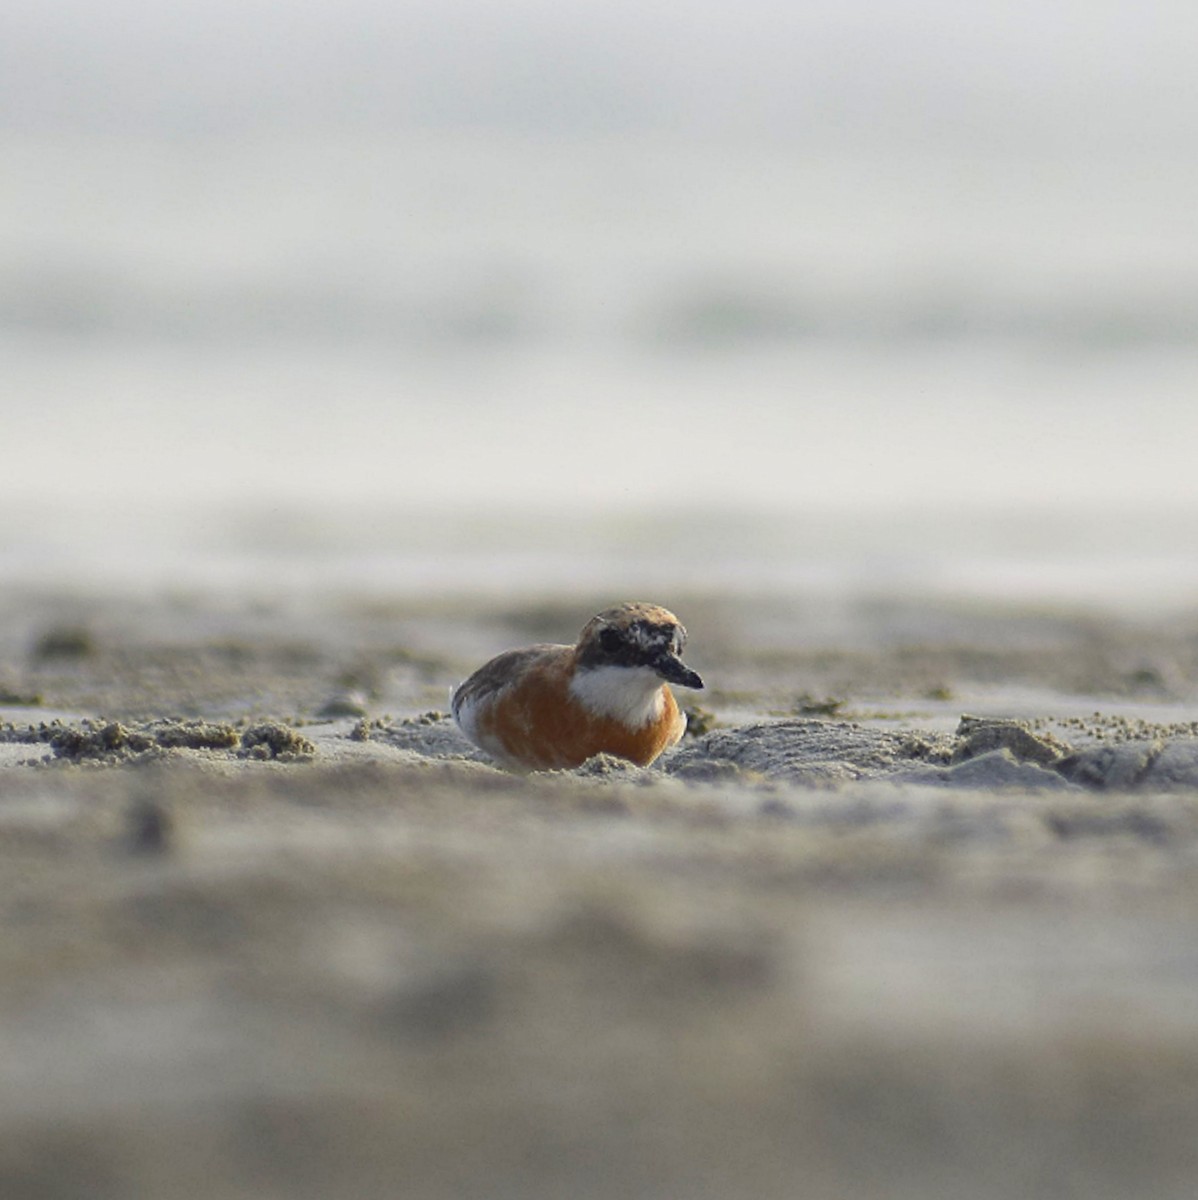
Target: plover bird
{"x": 549, "y": 707}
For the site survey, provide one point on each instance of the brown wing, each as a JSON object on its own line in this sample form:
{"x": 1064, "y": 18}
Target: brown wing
{"x": 503, "y": 671}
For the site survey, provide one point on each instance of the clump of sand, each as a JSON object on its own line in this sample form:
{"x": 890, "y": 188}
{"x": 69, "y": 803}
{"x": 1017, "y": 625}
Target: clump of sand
{"x": 113, "y": 742}
{"x": 271, "y": 739}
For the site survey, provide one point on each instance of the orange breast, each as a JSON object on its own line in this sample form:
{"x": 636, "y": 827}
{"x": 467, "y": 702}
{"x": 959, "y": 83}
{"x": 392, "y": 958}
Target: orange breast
{"x": 543, "y": 727}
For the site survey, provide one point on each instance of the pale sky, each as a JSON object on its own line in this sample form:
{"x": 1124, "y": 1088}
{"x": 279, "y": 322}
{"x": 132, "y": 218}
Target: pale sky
{"x": 995, "y": 69}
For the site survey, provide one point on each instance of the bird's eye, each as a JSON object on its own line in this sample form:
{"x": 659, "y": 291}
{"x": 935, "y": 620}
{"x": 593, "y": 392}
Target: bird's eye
{"x": 610, "y": 639}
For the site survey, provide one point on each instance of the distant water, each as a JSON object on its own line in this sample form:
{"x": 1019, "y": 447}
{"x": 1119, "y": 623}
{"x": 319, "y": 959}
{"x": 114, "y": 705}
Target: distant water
{"x": 462, "y": 361}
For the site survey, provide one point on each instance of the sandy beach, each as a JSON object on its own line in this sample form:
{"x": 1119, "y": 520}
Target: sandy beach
{"x": 911, "y": 912}
{"x": 344, "y": 347}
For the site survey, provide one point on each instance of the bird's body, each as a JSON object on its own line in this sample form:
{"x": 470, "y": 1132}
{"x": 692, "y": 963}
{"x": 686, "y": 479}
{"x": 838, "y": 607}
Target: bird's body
{"x": 549, "y": 707}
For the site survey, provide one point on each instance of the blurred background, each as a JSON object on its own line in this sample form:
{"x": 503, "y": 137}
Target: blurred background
{"x": 540, "y": 296}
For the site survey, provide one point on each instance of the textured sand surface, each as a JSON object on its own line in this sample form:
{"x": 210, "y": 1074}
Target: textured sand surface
{"x": 272, "y": 928}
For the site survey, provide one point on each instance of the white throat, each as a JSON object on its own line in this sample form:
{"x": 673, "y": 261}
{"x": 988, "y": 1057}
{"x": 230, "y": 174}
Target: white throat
{"x": 631, "y": 695}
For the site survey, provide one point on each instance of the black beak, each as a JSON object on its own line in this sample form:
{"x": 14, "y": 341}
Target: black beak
{"x": 672, "y": 669}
